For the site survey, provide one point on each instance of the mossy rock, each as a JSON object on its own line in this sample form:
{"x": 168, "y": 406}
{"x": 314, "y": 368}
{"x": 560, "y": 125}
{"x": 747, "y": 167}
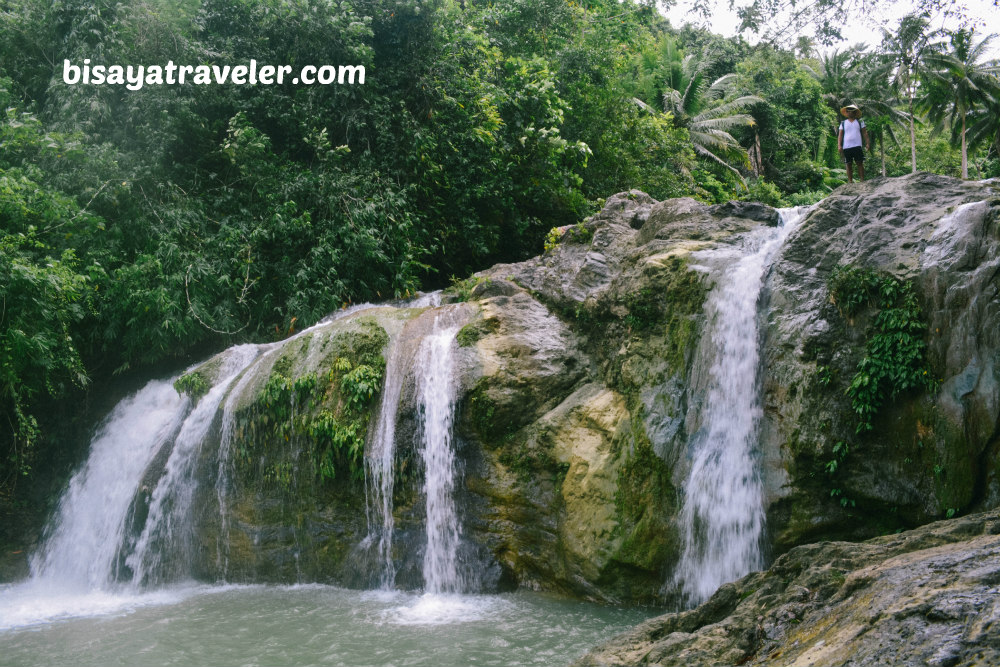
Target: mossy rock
{"x": 471, "y": 333}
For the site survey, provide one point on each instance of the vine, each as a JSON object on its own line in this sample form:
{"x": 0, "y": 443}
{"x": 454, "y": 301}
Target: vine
{"x": 895, "y": 351}
{"x": 894, "y": 360}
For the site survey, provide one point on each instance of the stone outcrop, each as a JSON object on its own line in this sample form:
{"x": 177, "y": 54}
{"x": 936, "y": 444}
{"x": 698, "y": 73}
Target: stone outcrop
{"x": 582, "y": 376}
{"x": 923, "y": 597}
{"x": 930, "y": 453}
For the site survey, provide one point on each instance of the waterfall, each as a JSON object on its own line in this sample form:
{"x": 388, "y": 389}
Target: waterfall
{"x": 167, "y": 525}
{"x": 225, "y": 464}
{"x": 436, "y": 395}
{"x": 722, "y": 517}
{"x": 380, "y": 460}
{"x": 88, "y": 527}
{"x": 88, "y": 535}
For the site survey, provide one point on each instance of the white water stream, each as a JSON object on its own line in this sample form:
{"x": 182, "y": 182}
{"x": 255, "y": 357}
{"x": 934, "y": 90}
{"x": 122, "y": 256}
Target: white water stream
{"x": 87, "y": 530}
{"x": 380, "y": 462}
{"x": 168, "y": 526}
{"x": 436, "y": 395}
{"x": 722, "y": 517}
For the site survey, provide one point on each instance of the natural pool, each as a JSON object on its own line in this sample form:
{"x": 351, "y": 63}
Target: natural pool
{"x": 298, "y": 625}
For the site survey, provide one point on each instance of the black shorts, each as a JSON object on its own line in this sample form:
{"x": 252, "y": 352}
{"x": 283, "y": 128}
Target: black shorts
{"x": 855, "y": 154}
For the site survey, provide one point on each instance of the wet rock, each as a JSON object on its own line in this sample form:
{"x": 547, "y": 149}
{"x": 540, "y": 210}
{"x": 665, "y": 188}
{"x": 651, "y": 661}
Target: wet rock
{"x": 582, "y": 376}
{"x": 925, "y": 597}
{"x": 929, "y": 453}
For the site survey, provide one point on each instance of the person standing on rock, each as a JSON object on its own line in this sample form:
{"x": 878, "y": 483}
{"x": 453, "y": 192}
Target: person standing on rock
{"x": 849, "y": 139}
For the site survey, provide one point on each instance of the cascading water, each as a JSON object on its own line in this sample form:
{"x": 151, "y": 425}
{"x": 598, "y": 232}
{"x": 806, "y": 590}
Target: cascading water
{"x": 722, "y": 517}
{"x": 225, "y": 464}
{"x": 436, "y": 395}
{"x": 89, "y": 524}
{"x": 87, "y": 547}
{"x": 379, "y": 463}
{"x": 122, "y": 546}
{"x": 167, "y": 526}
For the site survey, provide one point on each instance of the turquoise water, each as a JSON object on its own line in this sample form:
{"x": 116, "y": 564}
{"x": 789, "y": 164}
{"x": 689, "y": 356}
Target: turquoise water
{"x": 298, "y": 625}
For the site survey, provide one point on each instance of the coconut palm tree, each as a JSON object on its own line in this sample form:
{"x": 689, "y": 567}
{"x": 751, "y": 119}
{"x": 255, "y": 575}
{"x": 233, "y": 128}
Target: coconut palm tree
{"x": 854, "y": 76}
{"x": 837, "y": 75}
{"x": 960, "y": 84}
{"x": 904, "y": 52}
{"x": 870, "y": 91}
{"x": 984, "y": 126}
{"x": 702, "y": 108}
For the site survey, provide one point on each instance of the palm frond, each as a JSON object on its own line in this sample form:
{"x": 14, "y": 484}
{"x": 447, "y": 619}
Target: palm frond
{"x": 721, "y": 86}
{"x": 724, "y": 123}
{"x": 672, "y": 101}
{"x": 642, "y": 105}
{"x": 704, "y": 152}
{"x": 729, "y": 108}
{"x": 719, "y": 139}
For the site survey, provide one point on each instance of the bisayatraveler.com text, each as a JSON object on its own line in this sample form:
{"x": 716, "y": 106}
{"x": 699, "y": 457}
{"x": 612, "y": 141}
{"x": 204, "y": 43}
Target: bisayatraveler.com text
{"x": 135, "y": 77}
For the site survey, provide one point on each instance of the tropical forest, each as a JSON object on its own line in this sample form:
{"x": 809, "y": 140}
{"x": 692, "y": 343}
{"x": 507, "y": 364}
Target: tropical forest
{"x": 522, "y": 332}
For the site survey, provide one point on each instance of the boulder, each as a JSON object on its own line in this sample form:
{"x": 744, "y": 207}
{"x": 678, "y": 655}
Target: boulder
{"x": 923, "y": 597}
{"x": 930, "y": 453}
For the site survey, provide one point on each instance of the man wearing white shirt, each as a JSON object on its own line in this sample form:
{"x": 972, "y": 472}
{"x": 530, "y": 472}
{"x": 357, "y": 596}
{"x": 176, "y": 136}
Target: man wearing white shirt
{"x": 849, "y": 140}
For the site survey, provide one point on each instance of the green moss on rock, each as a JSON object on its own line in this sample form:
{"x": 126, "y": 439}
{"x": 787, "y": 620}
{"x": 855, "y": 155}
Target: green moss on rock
{"x": 644, "y": 501}
{"x": 471, "y": 333}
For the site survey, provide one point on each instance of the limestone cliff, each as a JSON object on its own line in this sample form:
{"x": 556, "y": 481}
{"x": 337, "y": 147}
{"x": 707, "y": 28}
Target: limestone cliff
{"x": 583, "y": 374}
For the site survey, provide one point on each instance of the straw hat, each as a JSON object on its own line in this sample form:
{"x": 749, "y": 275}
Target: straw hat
{"x": 850, "y": 107}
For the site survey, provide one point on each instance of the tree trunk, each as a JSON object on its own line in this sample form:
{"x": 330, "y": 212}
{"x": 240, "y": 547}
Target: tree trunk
{"x": 965, "y": 154}
{"x": 913, "y": 138}
{"x": 756, "y": 157}
{"x": 881, "y": 152}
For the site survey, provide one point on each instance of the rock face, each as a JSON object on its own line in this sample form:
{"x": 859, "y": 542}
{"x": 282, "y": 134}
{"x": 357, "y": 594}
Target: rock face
{"x": 582, "y": 378}
{"x": 929, "y": 453}
{"x": 924, "y": 597}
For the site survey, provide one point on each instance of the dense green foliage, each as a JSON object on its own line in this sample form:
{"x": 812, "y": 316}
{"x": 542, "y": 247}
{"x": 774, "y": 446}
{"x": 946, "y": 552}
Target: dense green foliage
{"x": 309, "y": 421}
{"x": 894, "y": 360}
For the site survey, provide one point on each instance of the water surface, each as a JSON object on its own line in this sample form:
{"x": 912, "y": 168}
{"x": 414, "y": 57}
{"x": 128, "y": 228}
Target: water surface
{"x": 298, "y": 625}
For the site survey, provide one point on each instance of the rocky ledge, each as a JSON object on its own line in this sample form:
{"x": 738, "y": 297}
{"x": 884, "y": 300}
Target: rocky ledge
{"x": 582, "y": 377}
{"x": 929, "y": 596}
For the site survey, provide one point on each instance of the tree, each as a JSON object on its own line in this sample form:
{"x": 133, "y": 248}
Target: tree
{"x": 984, "y": 128}
{"x": 702, "y": 108}
{"x": 805, "y": 46}
{"x": 882, "y": 115}
{"x": 904, "y": 52}
{"x": 780, "y": 22}
{"x": 853, "y": 76}
{"x": 959, "y": 85}
{"x": 792, "y": 121}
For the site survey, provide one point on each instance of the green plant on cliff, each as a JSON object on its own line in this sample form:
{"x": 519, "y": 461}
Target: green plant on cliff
{"x": 193, "y": 384}
{"x": 337, "y": 439}
{"x": 360, "y": 385}
{"x": 840, "y": 451}
{"x": 462, "y": 289}
{"x": 315, "y": 420}
{"x": 577, "y": 233}
{"x": 552, "y": 238}
{"x": 284, "y": 411}
{"x": 894, "y": 360}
